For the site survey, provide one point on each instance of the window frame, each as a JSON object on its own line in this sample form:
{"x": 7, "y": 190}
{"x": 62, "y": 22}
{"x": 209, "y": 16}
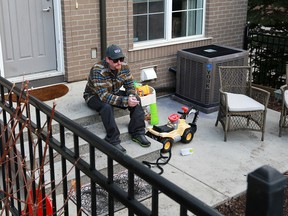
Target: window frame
{"x": 168, "y": 30}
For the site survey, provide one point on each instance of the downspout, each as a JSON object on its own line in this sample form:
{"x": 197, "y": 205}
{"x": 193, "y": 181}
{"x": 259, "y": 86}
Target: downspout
{"x": 103, "y": 36}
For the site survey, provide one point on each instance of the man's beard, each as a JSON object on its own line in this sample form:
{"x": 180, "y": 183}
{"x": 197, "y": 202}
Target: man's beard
{"x": 118, "y": 68}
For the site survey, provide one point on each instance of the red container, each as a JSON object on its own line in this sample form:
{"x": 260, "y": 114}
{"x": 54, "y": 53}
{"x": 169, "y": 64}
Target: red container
{"x": 40, "y": 202}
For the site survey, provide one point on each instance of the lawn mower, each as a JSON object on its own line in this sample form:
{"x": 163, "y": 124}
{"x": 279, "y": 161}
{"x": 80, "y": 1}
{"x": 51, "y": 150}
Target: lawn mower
{"x": 177, "y": 129}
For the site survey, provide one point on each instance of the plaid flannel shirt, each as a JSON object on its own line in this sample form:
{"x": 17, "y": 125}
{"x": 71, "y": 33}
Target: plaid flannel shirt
{"x": 106, "y": 85}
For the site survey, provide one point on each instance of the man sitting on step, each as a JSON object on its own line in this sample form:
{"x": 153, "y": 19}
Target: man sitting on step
{"x": 102, "y": 93}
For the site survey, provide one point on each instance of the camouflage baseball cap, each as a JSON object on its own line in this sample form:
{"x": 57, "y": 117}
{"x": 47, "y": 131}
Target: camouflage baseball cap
{"x": 114, "y": 52}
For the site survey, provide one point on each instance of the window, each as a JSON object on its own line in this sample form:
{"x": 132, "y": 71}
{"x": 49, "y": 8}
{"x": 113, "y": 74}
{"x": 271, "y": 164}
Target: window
{"x": 167, "y": 19}
{"x": 148, "y": 19}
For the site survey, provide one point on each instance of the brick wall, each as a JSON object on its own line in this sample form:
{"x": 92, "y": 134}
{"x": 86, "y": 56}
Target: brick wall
{"x": 161, "y": 57}
{"x": 117, "y": 29}
{"x": 81, "y": 32}
{"x": 224, "y": 25}
{"x": 225, "y": 21}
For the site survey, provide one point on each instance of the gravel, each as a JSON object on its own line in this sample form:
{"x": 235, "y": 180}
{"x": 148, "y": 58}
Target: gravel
{"x": 142, "y": 191}
{"x": 237, "y": 206}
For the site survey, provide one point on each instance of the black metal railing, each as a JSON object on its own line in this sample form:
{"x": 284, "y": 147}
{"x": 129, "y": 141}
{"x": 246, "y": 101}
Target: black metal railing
{"x": 35, "y": 138}
{"x": 268, "y": 55}
{"x": 32, "y": 148}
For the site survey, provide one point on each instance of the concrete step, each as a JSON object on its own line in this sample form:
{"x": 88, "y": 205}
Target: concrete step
{"x": 92, "y": 118}
{"x": 134, "y": 150}
{"x": 96, "y": 128}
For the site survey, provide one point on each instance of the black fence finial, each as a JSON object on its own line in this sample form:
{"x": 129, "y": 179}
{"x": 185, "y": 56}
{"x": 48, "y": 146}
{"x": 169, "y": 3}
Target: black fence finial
{"x": 265, "y": 193}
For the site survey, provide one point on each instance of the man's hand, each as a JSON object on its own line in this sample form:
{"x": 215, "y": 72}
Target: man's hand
{"x": 132, "y": 101}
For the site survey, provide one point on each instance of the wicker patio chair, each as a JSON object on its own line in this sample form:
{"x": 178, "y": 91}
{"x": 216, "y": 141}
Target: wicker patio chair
{"x": 241, "y": 105}
{"x": 283, "y": 122}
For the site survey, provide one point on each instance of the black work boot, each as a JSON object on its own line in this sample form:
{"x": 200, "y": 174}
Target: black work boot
{"x": 142, "y": 140}
{"x": 119, "y": 147}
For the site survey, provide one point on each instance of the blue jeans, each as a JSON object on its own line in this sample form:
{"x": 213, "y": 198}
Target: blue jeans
{"x": 136, "y": 125}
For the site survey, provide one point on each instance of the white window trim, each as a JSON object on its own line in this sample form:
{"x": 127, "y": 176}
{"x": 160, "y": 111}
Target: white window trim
{"x": 59, "y": 37}
{"x": 170, "y": 41}
{"x": 161, "y": 43}
{"x": 1, "y": 60}
{"x": 168, "y": 17}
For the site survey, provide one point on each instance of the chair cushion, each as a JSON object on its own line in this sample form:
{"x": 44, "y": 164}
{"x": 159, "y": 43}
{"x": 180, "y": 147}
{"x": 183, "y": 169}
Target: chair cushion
{"x": 242, "y": 103}
{"x": 286, "y": 98}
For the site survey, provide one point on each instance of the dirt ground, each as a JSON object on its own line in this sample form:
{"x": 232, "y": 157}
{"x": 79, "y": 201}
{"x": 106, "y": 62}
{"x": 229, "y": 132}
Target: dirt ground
{"x": 237, "y": 206}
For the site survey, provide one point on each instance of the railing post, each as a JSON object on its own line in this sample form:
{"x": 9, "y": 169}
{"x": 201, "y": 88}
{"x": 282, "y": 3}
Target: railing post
{"x": 286, "y": 72}
{"x": 265, "y": 192}
{"x": 246, "y": 37}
